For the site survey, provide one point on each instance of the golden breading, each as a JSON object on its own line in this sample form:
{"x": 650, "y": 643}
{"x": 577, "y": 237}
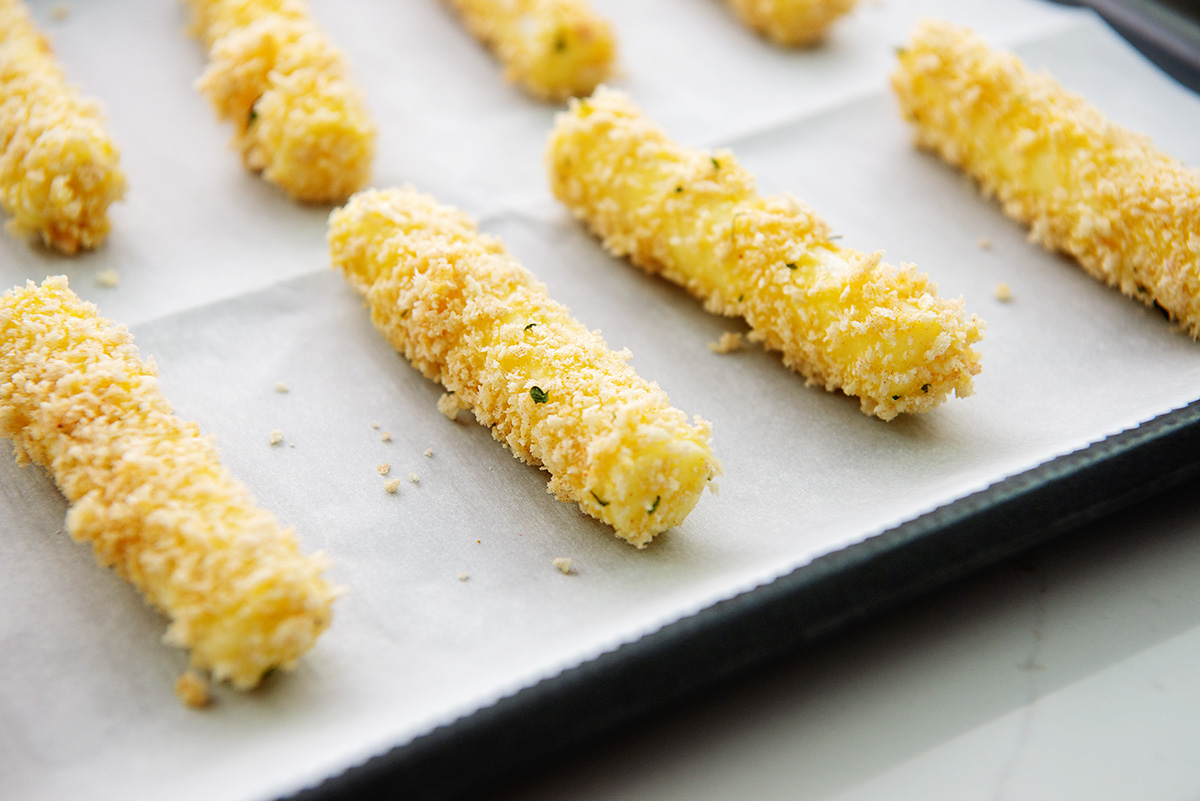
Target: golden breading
{"x": 467, "y": 314}
{"x": 298, "y": 116}
{"x": 58, "y": 168}
{"x": 552, "y": 48}
{"x": 149, "y": 493}
{"x": 794, "y": 23}
{"x": 843, "y": 319}
{"x": 1127, "y": 212}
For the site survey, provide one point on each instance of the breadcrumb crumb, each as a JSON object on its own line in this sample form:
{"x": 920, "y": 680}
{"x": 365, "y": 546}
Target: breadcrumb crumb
{"x": 149, "y": 493}
{"x": 108, "y": 278}
{"x": 192, "y": 689}
{"x": 59, "y": 12}
{"x": 458, "y": 306}
{"x": 1003, "y": 292}
{"x": 985, "y": 243}
{"x": 429, "y": 453}
{"x": 414, "y": 478}
{"x": 565, "y": 564}
{"x": 386, "y": 436}
{"x": 375, "y": 425}
{"x": 844, "y": 319}
{"x": 59, "y": 168}
{"x": 276, "y": 436}
{"x": 298, "y": 116}
{"x": 1126, "y": 211}
{"x": 383, "y": 468}
{"x": 552, "y": 48}
{"x": 281, "y": 387}
{"x": 448, "y": 406}
{"x": 729, "y": 342}
{"x": 792, "y": 23}
{"x": 391, "y": 485}
{"x": 463, "y": 576}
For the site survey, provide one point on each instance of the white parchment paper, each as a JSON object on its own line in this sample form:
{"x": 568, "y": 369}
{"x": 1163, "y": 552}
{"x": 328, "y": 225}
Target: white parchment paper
{"x": 226, "y": 284}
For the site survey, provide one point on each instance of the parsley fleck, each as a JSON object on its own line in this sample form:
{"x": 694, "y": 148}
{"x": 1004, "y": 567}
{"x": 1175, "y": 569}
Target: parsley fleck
{"x": 900, "y": 51}
{"x": 834, "y": 236}
{"x": 895, "y": 397}
{"x": 560, "y": 42}
{"x": 924, "y": 387}
{"x": 531, "y": 325}
{"x": 679, "y": 189}
{"x": 253, "y": 116}
{"x": 654, "y": 505}
{"x": 539, "y": 395}
{"x": 599, "y": 500}
{"x": 740, "y": 298}
{"x": 716, "y": 164}
{"x": 791, "y": 265}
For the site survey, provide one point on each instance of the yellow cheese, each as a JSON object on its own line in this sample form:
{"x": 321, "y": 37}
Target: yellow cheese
{"x": 552, "y": 48}
{"x": 58, "y": 168}
{"x": 298, "y": 116}
{"x": 467, "y": 314}
{"x": 844, "y": 319}
{"x": 148, "y": 492}
{"x": 794, "y": 23}
{"x": 1126, "y": 211}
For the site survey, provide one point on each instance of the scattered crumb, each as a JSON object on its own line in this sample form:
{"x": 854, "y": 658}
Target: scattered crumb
{"x": 276, "y": 436}
{"x": 429, "y": 453}
{"x": 565, "y": 564}
{"x": 391, "y": 485}
{"x": 414, "y": 478}
{"x": 985, "y": 243}
{"x": 192, "y": 689}
{"x": 60, "y": 11}
{"x": 714, "y": 488}
{"x": 1003, "y": 293}
{"x": 728, "y": 343}
{"x": 108, "y": 278}
{"x": 374, "y": 425}
{"x": 281, "y": 387}
{"x": 463, "y": 576}
{"x": 448, "y": 406}
{"x": 386, "y": 437}
{"x": 382, "y": 468}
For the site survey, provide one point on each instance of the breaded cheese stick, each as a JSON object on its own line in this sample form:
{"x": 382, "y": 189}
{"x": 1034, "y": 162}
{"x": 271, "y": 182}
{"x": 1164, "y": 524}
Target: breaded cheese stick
{"x": 793, "y": 23}
{"x": 843, "y": 319}
{"x": 149, "y": 493}
{"x": 1126, "y": 211}
{"x": 58, "y": 167}
{"x": 467, "y": 314}
{"x": 299, "y": 118}
{"x": 552, "y": 48}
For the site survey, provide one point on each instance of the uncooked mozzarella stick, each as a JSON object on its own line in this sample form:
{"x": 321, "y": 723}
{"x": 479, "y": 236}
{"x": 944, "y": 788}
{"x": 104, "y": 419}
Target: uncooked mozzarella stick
{"x": 467, "y": 314}
{"x": 843, "y": 319}
{"x": 298, "y": 116}
{"x": 793, "y": 23}
{"x": 58, "y": 164}
{"x": 552, "y": 48}
{"x": 1126, "y": 211}
{"x": 148, "y": 492}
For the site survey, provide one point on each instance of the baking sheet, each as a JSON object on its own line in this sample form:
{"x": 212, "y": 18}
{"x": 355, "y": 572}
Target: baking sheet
{"x": 226, "y": 284}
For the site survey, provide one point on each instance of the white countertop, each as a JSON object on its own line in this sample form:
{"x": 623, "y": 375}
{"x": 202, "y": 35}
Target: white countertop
{"x": 1070, "y": 673}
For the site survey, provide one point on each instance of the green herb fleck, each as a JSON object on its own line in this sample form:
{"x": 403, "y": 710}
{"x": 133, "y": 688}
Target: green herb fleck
{"x": 901, "y": 50}
{"x": 834, "y": 236}
{"x": 539, "y": 395}
{"x": 716, "y": 164}
{"x": 560, "y": 42}
{"x": 924, "y": 387}
{"x": 253, "y": 116}
{"x": 599, "y": 500}
{"x": 791, "y": 265}
{"x": 740, "y": 298}
{"x": 895, "y": 397}
{"x": 679, "y": 189}
{"x": 654, "y": 505}
{"x": 531, "y": 325}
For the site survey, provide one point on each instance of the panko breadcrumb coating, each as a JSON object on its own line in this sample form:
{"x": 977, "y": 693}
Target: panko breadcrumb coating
{"x": 298, "y": 116}
{"x": 1127, "y": 212}
{"x": 843, "y": 319}
{"x": 148, "y": 492}
{"x": 552, "y": 48}
{"x": 58, "y": 167}
{"x": 467, "y": 314}
{"x": 793, "y": 23}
